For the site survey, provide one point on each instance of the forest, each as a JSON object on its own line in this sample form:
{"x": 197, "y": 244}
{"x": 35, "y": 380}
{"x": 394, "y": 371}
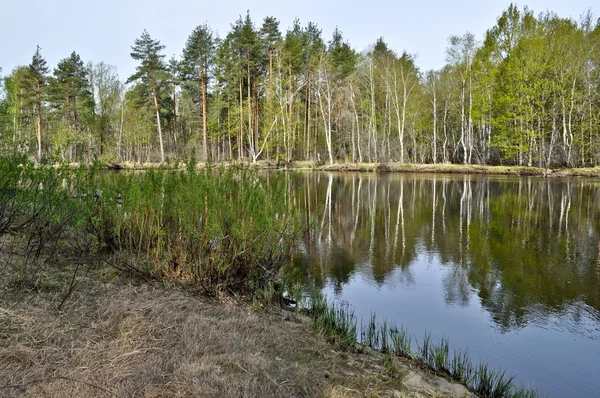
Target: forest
{"x": 527, "y": 93}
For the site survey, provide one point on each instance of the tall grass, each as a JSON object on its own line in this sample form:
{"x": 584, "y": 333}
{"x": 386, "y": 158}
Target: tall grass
{"x": 332, "y": 319}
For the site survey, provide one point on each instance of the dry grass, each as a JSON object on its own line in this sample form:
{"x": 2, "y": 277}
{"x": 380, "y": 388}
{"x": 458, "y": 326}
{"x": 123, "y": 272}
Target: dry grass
{"x": 125, "y": 340}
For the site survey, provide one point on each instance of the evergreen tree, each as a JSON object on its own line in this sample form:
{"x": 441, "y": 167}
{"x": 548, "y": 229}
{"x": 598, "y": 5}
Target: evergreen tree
{"x": 150, "y": 73}
{"x": 342, "y": 56}
{"x": 198, "y": 60}
{"x": 70, "y": 93}
{"x": 271, "y": 37}
{"x": 37, "y": 79}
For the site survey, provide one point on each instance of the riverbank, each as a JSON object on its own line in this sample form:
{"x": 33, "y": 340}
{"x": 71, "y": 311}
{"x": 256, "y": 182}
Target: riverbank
{"x": 66, "y": 250}
{"x": 117, "y": 336}
{"x": 441, "y": 168}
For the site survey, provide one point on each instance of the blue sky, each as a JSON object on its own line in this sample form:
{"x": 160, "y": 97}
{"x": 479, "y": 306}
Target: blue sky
{"x": 105, "y": 30}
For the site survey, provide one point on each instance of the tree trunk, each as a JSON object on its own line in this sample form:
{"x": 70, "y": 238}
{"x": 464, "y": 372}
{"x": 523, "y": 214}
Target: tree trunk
{"x": 204, "y": 138}
{"x": 174, "y": 118}
{"x": 462, "y": 122}
{"x": 39, "y": 121}
{"x": 250, "y": 128}
{"x": 160, "y": 137}
{"x": 358, "y": 146}
{"x": 307, "y": 121}
{"x": 240, "y": 136}
{"x": 434, "y": 125}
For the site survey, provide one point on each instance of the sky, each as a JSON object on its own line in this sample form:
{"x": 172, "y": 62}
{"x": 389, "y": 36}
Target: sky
{"x": 105, "y": 30}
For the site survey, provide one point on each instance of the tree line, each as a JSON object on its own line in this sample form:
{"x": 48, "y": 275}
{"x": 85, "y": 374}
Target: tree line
{"x": 527, "y": 94}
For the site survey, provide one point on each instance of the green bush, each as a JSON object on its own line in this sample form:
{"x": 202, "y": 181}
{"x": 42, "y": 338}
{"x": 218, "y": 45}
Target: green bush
{"x": 226, "y": 229}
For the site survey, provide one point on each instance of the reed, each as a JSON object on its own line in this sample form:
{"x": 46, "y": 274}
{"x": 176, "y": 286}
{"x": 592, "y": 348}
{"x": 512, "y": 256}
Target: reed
{"x": 461, "y": 367}
{"x": 401, "y": 341}
{"x": 335, "y": 321}
{"x": 370, "y": 333}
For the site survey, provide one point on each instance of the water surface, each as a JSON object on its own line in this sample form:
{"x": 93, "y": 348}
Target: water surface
{"x": 507, "y": 268}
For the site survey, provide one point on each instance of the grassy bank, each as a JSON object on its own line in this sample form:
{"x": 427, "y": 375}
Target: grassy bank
{"x": 120, "y": 337}
{"x": 464, "y": 169}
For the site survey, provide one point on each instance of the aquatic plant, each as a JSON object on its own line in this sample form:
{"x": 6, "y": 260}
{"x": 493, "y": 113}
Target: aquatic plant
{"x": 401, "y": 341}
{"x": 333, "y": 320}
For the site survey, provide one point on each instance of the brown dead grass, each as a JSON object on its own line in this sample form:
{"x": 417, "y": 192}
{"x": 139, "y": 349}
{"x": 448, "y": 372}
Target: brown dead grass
{"x": 122, "y": 340}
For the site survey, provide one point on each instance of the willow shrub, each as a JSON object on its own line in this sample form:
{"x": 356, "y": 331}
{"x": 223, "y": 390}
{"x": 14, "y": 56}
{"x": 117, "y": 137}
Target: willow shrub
{"x": 225, "y": 229}
{"x": 43, "y": 212}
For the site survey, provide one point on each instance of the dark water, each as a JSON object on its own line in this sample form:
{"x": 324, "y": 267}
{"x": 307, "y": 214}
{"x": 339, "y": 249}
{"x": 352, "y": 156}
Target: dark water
{"x": 506, "y": 268}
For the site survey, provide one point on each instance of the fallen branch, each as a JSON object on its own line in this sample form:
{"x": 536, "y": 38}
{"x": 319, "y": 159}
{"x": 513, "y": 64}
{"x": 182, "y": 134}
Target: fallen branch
{"x": 24, "y": 386}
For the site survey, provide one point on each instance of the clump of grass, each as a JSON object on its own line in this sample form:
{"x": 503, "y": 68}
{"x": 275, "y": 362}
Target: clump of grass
{"x": 424, "y": 350}
{"x": 524, "y": 392}
{"x": 384, "y": 333}
{"x": 370, "y": 333}
{"x": 461, "y": 368}
{"x": 489, "y": 383}
{"x": 439, "y": 356}
{"x": 335, "y": 321}
{"x": 401, "y": 341}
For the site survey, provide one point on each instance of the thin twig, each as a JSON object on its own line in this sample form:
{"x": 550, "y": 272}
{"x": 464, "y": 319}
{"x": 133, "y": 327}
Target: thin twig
{"x": 25, "y": 385}
{"x": 71, "y": 286}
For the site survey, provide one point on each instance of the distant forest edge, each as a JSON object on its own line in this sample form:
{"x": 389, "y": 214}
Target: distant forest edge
{"x": 528, "y": 94}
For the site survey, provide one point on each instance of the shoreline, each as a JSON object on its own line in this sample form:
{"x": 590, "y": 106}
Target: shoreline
{"x": 438, "y": 168}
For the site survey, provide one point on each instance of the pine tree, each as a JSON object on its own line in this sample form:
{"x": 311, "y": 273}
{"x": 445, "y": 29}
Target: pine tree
{"x": 70, "y": 92}
{"x": 342, "y": 57}
{"x": 271, "y": 36}
{"x": 150, "y": 72}
{"x": 198, "y": 59}
{"x": 37, "y": 83}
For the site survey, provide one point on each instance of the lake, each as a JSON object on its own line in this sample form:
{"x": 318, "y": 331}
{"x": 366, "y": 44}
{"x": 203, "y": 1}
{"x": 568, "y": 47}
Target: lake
{"x": 506, "y": 268}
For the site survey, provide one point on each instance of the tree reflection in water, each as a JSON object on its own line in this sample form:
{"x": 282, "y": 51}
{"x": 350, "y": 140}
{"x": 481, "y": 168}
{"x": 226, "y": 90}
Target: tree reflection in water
{"x": 528, "y": 247}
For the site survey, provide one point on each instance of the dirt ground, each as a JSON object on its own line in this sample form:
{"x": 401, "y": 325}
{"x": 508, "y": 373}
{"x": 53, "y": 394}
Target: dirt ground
{"x": 120, "y": 338}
